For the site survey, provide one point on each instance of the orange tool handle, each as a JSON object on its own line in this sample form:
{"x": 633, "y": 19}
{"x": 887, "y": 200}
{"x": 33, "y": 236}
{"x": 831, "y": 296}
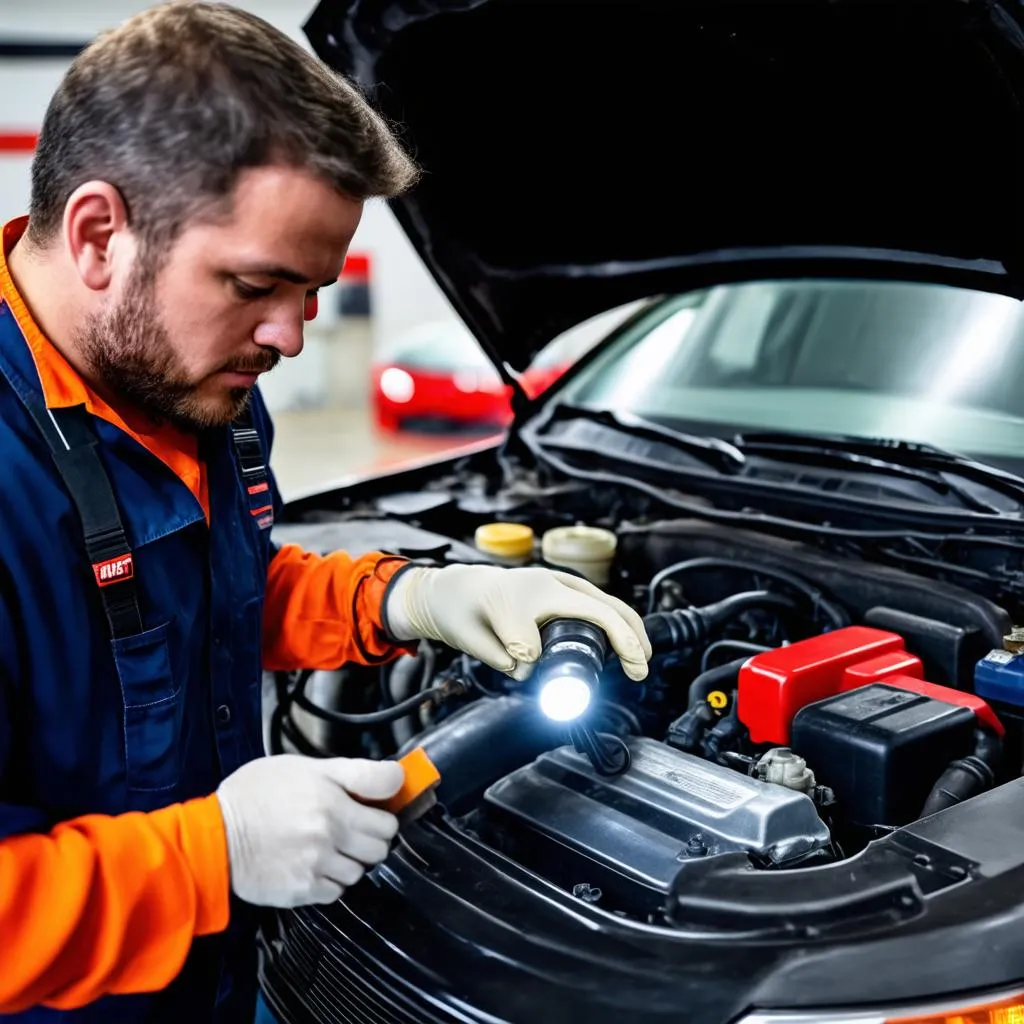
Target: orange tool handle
{"x": 421, "y": 776}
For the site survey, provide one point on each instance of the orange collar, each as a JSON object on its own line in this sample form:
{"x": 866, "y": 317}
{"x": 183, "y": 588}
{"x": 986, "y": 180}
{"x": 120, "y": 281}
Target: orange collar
{"x": 63, "y": 387}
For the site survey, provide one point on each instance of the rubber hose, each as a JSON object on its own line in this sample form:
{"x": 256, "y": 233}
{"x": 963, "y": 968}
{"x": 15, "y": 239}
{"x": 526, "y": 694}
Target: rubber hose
{"x": 724, "y": 735}
{"x": 989, "y": 747}
{"x": 835, "y": 614}
{"x": 721, "y": 677}
{"x": 689, "y": 729}
{"x": 690, "y": 627}
{"x": 405, "y": 674}
{"x": 967, "y": 776}
{"x": 740, "y": 646}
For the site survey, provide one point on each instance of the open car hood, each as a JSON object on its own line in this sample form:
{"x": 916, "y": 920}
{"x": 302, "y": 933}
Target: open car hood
{"x": 581, "y": 155}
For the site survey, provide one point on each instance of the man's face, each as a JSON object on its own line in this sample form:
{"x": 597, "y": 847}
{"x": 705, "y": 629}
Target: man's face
{"x": 187, "y": 343}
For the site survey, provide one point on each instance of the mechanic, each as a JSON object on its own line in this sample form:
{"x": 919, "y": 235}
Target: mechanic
{"x": 198, "y": 176}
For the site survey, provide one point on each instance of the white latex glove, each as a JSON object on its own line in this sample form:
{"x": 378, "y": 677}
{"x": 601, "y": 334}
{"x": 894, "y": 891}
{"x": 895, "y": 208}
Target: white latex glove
{"x": 297, "y": 833}
{"x": 495, "y": 614}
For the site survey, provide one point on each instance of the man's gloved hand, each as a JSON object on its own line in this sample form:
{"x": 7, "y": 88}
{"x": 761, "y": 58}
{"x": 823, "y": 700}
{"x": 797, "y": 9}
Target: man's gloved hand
{"x": 495, "y": 614}
{"x": 297, "y": 833}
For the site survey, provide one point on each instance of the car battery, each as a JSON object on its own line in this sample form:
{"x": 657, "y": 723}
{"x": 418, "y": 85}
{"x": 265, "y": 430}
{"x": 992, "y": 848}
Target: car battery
{"x": 881, "y": 748}
{"x": 999, "y": 676}
{"x": 773, "y": 686}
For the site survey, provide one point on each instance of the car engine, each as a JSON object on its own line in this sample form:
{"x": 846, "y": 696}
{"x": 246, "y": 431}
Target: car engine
{"x": 802, "y": 700}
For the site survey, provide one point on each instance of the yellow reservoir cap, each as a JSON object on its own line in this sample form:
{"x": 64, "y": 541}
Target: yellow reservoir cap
{"x": 505, "y": 540}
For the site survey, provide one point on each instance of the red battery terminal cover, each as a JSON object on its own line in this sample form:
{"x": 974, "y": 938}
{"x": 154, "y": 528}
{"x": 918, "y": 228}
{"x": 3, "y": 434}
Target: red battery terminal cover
{"x": 775, "y": 685}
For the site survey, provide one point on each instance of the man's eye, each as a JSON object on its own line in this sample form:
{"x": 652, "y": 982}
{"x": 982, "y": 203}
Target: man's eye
{"x": 249, "y": 291}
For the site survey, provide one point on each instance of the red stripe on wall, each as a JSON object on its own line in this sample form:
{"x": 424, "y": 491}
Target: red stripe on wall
{"x": 18, "y": 142}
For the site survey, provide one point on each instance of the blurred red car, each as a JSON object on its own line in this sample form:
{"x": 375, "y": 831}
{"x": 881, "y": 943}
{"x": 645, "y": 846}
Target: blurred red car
{"x": 437, "y": 378}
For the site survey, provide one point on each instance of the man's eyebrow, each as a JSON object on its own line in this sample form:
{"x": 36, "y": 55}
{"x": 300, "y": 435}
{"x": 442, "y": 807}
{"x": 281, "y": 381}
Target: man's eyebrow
{"x": 285, "y": 274}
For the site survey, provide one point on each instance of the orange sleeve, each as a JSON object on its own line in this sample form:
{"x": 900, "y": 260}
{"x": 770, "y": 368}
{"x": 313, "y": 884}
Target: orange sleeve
{"x": 324, "y": 610}
{"x": 109, "y": 905}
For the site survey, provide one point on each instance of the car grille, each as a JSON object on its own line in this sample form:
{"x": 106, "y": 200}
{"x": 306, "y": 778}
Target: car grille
{"x": 334, "y": 987}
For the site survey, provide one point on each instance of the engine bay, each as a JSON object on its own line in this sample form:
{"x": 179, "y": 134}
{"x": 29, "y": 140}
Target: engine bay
{"x": 803, "y": 700}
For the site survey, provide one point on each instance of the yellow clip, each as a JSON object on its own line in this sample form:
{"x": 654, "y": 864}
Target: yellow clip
{"x": 718, "y": 700}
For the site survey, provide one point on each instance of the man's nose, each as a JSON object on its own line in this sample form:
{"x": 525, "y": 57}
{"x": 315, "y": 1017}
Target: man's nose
{"x": 282, "y": 332}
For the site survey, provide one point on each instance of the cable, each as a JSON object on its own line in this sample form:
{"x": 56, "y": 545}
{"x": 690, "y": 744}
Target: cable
{"x": 280, "y": 724}
{"x": 469, "y": 673}
{"x": 596, "y": 747}
{"x": 736, "y": 645}
{"x": 385, "y": 685}
{"x": 276, "y": 728}
{"x": 303, "y": 745}
{"x": 632, "y": 722}
{"x": 836, "y": 615}
{"x": 406, "y": 707}
{"x": 283, "y": 726}
{"x": 410, "y": 674}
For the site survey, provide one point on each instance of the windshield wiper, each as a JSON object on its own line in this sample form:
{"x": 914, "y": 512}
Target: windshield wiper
{"x": 906, "y": 459}
{"x": 711, "y": 449}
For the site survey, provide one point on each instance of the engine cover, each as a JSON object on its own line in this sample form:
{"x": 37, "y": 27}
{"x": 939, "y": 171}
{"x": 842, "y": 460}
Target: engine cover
{"x": 630, "y": 836}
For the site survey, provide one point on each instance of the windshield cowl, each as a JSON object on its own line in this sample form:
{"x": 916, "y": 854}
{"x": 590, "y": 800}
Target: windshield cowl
{"x": 915, "y": 370}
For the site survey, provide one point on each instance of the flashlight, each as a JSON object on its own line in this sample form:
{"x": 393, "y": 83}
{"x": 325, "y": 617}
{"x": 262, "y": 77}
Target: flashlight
{"x": 569, "y": 668}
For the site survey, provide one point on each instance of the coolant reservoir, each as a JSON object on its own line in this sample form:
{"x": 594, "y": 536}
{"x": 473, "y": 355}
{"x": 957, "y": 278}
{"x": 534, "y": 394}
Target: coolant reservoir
{"x": 587, "y": 549}
{"x": 508, "y": 543}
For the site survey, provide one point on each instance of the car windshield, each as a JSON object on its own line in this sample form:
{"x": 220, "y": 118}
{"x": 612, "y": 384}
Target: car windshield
{"x": 917, "y": 362}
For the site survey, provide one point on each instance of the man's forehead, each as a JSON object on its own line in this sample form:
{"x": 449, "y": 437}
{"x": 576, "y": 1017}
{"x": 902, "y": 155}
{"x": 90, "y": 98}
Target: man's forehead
{"x": 294, "y": 255}
{"x": 286, "y": 219}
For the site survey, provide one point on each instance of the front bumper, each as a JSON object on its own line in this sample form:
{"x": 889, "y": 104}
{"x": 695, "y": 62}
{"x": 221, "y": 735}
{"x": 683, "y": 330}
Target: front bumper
{"x": 448, "y": 931}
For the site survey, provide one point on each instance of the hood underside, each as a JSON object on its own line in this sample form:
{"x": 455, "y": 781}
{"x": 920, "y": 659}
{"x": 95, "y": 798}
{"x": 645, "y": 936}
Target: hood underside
{"x": 581, "y": 155}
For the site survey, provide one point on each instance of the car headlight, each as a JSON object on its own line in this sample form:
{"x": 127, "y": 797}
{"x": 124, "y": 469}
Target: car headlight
{"x": 397, "y": 386}
{"x": 1002, "y": 1008}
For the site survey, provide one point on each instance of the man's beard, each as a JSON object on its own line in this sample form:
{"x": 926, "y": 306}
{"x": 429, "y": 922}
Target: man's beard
{"x": 129, "y": 351}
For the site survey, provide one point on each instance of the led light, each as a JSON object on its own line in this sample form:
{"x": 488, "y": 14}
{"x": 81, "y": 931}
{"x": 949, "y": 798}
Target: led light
{"x": 568, "y": 672}
{"x": 999, "y": 1009}
{"x": 397, "y": 386}
{"x": 564, "y": 698}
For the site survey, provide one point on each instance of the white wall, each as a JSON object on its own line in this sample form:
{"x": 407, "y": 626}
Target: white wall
{"x": 74, "y": 20}
{"x": 403, "y": 293}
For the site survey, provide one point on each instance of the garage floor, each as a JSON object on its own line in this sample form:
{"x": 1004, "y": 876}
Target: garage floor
{"x": 315, "y": 447}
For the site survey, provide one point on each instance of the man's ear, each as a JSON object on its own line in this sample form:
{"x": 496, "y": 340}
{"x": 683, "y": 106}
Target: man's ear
{"x": 95, "y": 230}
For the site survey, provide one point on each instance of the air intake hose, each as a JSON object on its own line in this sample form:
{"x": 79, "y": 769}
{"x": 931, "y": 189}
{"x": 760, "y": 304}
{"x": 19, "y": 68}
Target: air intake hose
{"x": 686, "y": 628}
{"x": 967, "y": 776}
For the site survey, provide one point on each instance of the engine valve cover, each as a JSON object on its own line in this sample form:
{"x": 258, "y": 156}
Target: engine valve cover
{"x": 640, "y": 829}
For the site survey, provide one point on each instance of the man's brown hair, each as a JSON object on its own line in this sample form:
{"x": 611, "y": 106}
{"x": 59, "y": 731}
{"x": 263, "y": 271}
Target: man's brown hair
{"x": 171, "y": 106}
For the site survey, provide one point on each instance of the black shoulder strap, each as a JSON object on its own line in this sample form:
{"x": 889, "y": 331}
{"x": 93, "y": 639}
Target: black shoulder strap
{"x": 253, "y": 466}
{"x": 73, "y": 442}
{"x": 249, "y": 447}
